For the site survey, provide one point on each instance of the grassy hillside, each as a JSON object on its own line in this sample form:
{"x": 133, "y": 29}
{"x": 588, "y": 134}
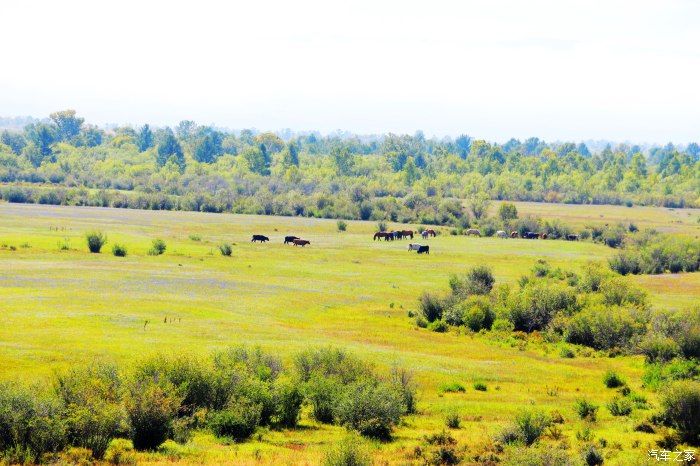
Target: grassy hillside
{"x": 61, "y": 307}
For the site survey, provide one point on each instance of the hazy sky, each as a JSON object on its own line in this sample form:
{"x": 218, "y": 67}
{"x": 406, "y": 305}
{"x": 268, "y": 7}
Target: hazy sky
{"x": 622, "y": 70}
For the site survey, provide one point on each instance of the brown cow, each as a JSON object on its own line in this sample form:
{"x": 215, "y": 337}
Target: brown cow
{"x": 301, "y": 242}
{"x": 513, "y": 234}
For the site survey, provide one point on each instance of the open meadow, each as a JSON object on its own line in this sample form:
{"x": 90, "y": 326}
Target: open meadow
{"x": 61, "y": 306}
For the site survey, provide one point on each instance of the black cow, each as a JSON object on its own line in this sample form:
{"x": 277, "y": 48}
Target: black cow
{"x": 260, "y": 238}
{"x": 424, "y": 249}
{"x": 572, "y": 237}
{"x": 290, "y": 239}
{"x": 532, "y": 235}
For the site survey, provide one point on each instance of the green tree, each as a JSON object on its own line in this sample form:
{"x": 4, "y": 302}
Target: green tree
{"x": 410, "y": 172}
{"x": 463, "y": 144}
{"x": 144, "y": 138}
{"x": 41, "y": 136}
{"x": 170, "y": 149}
{"x": 258, "y": 159}
{"x": 507, "y": 211}
{"x": 343, "y": 159}
{"x": 14, "y": 141}
{"x": 91, "y": 136}
{"x": 67, "y": 124}
{"x": 208, "y": 146}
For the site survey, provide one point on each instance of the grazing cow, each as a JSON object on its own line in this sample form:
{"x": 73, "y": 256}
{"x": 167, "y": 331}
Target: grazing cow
{"x": 513, "y": 234}
{"x": 473, "y": 231}
{"x": 531, "y": 235}
{"x": 260, "y": 238}
{"x": 430, "y": 232}
{"x": 543, "y": 235}
{"x": 301, "y": 242}
{"x": 414, "y": 247}
{"x": 407, "y": 233}
{"x": 501, "y": 234}
{"x": 290, "y": 239}
{"x": 572, "y": 237}
{"x": 424, "y": 250}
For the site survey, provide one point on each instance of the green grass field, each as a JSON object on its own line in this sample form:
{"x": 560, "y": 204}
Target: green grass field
{"x": 64, "y": 307}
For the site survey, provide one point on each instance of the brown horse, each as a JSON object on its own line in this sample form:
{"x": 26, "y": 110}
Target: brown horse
{"x": 430, "y": 232}
{"x": 513, "y": 234}
{"x": 543, "y": 235}
{"x": 301, "y": 242}
{"x": 473, "y": 231}
{"x": 406, "y": 233}
{"x": 383, "y": 234}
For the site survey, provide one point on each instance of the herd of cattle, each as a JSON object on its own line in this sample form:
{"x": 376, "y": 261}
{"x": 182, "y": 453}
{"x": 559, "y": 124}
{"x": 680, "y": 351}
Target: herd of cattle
{"x": 420, "y": 248}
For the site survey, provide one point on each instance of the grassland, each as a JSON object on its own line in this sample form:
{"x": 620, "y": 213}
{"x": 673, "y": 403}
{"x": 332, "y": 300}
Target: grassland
{"x": 62, "y": 307}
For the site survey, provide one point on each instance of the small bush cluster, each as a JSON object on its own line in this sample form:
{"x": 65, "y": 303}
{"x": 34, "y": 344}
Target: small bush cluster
{"x": 158, "y": 247}
{"x": 653, "y": 253}
{"x": 95, "y": 241}
{"x": 526, "y": 429}
{"x": 232, "y": 393}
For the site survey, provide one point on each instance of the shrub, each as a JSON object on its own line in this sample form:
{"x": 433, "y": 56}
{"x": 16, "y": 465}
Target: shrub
{"x": 95, "y": 241}
{"x": 616, "y": 292}
{"x": 478, "y": 280}
{"x": 92, "y": 406}
{"x": 527, "y": 428}
{"x": 151, "y": 407}
{"x": 612, "y": 380}
{"x": 431, "y": 306}
{"x": 680, "y": 405}
{"x": 475, "y": 312}
{"x": 567, "y": 353}
{"x": 322, "y": 393}
{"x": 350, "y": 451}
{"x": 480, "y": 386}
{"x": 120, "y": 452}
{"x": 585, "y": 409}
{"x": 331, "y": 362}
{"x": 119, "y": 250}
{"x": 369, "y": 407}
{"x": 537, "y": 303}
{"x": 452, "y": 420}
{"x": 438, "y": 326}
{"x": 659, "y": 348}
{"x": 287, "y": 399}
{"x": 657, "y": 375}
{"x": 402, "y": 379}
{"x": 507, "y": 211}
{"x": 452, "y": 387}
{"x": 591, "y": 456}
{"x": 440, "y": 449}
{"x": 225, "y": 249}
{"x": 342, "y": 225}
{"x": 195, "y": 237}
{"x": 603, "y": 327}
{"x": 619, "y": 406}
{"x": 158, "y": 247}
{"x": 31, "y": 424}
{"x": 381, "y": 225}
{"x": 237, "y": 422}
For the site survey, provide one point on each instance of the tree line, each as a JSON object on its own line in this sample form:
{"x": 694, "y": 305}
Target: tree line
{"x": 405, "y": 178}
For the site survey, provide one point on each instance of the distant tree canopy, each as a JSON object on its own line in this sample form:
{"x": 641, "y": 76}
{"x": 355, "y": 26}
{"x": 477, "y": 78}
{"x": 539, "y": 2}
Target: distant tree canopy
{"x": 386, "y": 177}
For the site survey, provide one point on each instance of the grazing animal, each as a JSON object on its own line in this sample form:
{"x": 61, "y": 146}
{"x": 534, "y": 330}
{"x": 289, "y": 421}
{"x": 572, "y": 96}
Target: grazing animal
{"x": 260, "y": 238}
{"x": 396, "y": 235}
{"x": 414, "y": 247}
{"x": 531, "y": 235}
{"x": 430, "y": 232}
{"x": 424, "y": 250}
{"x": 290, "y": 239}
{"x": 407, "y": 233}
{"x": 424, "y": 234}
{"x": 572, "y": 237}
{"x": 513, "y": 234}
{"x": 301, "y": 242}
{"x": 501, "y": 234}
{"x": 473, "y": 231}
{"x": 543, "y": 235}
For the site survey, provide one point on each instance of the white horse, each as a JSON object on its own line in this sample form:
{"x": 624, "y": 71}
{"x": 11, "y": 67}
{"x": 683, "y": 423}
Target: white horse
{"x": 424, "y": 234}
{"x": 501, "y": 234}
{"x": 414, "y": 247}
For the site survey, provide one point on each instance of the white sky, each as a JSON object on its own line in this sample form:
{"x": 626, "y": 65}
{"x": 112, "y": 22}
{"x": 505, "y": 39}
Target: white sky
{"x": 622, "y": 70}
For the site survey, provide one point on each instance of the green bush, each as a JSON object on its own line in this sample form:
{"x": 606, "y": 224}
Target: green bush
{"x": 620, "y": 406}
{"x": 480, "y": 386}
{"x": 31, "y": 424}
{"x": 322, "y": 393}
{"x": 659, "y": 348}
{"x": 612, "y": 380}
{"x": 566, "y": 353}
{"x": 369, "y": 407}
{"x": 537, "y": 304}
{"x": 151, "y": 407}
{"x": 680, "y": 404}
{"x": 452, "y": 387}
{"x": 350, "y": 451}
{"x": 158, "y": 247}
{"x": 326, "y": 362}
{"x": 602, "y": 327}
{"x": 438, "y": 326}
{"x": 657, "y": 375}
{"x": 585, "y": 409}
{"x": 237, "y": 422}
{"x": 452, "y": 420}
{"x": 527, "y": 428}
{"x": 342, "y": 225}
{"x": 478, "y": 280}
{"x": 475, "y": 312}
{"x": 287, "y": 399}
{"x": 591, "y": 456}
{"x": 119, "y": 250}
{"x": 431, "y": 306}
{"x": 95, "y": 241}
{"x": 91, "y": 398}
{"x": 402, "y": 379}
{"x": 440, "y": 449}
{"x": 225, "y": 249}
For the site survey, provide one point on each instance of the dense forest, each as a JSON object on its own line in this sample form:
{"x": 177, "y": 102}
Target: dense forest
{"x": 63, "y": 160}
